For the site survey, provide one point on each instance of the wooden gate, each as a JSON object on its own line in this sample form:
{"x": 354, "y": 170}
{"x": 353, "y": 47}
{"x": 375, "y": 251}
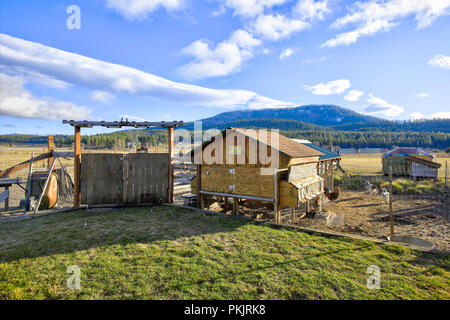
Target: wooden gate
{"x": 134, "y": 178}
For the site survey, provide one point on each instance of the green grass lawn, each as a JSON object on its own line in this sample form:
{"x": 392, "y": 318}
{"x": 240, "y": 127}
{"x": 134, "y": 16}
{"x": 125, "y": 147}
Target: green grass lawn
{"x": 174, "y": 253}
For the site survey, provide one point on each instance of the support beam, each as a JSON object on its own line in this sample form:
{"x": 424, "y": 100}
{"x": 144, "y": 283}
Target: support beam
{"x": 51, "y": 148}
{"x": 77, "y": 168}
{"x": 171, "y": 147}
{"x": 235, "y": 206}
{"x": 292, "y": 214}
{"x": 199, "y": 184}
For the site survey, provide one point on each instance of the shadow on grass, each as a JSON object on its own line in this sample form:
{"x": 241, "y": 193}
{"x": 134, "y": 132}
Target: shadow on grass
{"x": 80, "y": 230}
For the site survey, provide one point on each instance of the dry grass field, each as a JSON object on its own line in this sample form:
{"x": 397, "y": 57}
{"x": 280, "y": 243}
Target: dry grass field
{"x": 370, "y": 164}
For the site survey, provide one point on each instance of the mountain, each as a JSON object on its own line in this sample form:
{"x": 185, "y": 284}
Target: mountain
{"x": 321, "y": 115}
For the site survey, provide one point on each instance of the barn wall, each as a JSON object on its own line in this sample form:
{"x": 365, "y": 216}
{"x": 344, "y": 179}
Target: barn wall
{"x": 219, "y": 152}
{"x": 420, "y": 170}
{"x": 237, "y": 180}
{"x": 302, "y": 171}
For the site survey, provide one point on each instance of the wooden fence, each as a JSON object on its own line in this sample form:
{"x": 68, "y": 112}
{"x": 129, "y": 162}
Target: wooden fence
{"x": 112, "y": 179}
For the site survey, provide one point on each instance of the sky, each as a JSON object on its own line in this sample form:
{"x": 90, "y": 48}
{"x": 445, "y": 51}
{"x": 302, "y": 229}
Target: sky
{"x": 166, "y": 60}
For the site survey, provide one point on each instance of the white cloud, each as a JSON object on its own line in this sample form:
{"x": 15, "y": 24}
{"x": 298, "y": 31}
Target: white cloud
{"x": 378, "y": 15}
{"x": 440, "y": 61}
{"x": 103, "y": 76}
{"x": 227, "y": 57}
{"x": 34, "y": 77}
{"x": 276, "y": 27}
{"x": 308, "y": 61}
{"x": 286, "y": 53}
{"x": 332, "y": 87}
{"x": 417, "y": 115}
{"x": 139, "y": 9}
{"x": 435, "y": 115}
{"x": 16, "y": 101}
{"x": 311, "y": 10}
{"x": 101, "y": 96}
{"x": 353, "y": 95}
{"x": 251, "y": 8}
{"x": 347, "y": 38}
{"x": 380, "y": 107}
{"x": 422, "y": 95}
{"x": 439, "y": 115}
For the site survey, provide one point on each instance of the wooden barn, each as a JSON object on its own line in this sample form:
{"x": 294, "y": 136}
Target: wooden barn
{"x": 410, "y": 162}
{"x": 238, "y": 164}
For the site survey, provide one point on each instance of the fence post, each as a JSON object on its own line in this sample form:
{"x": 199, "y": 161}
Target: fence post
{"x": 446, "y": 173}
{"x": 391, "y": 217}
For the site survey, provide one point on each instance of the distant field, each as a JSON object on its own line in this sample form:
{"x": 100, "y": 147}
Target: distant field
{"x": 370, "y": 164}
{"x": 360, "y": 164}
{"x": 10, "y": 156}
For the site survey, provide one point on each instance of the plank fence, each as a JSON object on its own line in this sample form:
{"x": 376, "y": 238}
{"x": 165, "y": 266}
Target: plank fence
{"x": 115, "y": 179}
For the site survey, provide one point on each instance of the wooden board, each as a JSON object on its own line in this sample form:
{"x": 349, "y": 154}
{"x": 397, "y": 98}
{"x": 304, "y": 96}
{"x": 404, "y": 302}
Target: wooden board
{"x": 237, "y": 180}
{"x": 124, "y": 179}
{"x": 148, "y": 178}
{"x": 101, "y": 178}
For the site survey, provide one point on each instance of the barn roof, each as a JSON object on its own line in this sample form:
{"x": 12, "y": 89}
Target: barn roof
{"x": 285, "y": 145}
{"x": 424, "y": 162}
{"x": 407, "y": 151}
{"x": 327, "y": 154}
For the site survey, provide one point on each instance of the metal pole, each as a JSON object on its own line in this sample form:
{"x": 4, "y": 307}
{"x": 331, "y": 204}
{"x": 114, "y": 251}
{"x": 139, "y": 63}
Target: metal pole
{"x": 391, "y": 217}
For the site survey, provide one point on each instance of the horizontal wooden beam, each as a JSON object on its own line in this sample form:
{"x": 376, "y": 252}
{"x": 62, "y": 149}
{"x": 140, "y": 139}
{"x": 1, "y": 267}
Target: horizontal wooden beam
{"x": 4, "y": 182}
{"x": 4, "y": 195}
{"x": 122, "y": 123}
{"x": 5, "y": 173}
{"x": 236, "y": 196}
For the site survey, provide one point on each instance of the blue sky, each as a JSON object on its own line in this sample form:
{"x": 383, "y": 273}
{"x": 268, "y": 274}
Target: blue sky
{"x": 186, "y": 60}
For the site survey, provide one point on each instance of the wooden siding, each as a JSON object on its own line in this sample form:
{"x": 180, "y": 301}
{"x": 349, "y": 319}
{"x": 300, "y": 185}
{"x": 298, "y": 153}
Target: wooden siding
{"x": 124, "y": 179}
{"x": 237, "y": 180}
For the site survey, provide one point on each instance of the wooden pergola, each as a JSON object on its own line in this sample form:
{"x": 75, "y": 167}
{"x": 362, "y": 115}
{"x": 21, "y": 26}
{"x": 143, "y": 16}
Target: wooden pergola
{"x": 117, "y": 124}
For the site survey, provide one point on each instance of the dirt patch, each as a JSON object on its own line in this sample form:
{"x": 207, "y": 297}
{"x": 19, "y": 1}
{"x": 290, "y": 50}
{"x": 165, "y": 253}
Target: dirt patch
{"x": 365, "y": 215}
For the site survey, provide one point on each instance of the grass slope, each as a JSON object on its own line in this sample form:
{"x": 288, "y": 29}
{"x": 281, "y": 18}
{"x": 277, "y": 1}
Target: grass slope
{"x": 173, "y": 253}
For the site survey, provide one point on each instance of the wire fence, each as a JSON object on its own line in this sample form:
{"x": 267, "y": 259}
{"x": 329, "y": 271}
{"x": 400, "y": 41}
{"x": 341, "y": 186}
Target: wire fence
{"x": 408, "y": 202}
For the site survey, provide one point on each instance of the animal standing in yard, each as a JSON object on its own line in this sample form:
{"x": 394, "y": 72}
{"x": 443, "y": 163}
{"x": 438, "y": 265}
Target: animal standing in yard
{"x": 370, "y": 188}
{"x": 384, "y": 195}
{"x": 333, "y": 195}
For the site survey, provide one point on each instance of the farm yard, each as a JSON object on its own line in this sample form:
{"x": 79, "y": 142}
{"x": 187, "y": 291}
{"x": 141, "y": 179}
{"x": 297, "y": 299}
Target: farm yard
{"x": 175, "y": 253}
{"x": 165, "y": 252}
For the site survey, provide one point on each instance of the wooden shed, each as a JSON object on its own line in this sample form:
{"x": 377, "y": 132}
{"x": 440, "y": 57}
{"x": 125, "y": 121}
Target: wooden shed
{"x": 242, "y": 164}
{"x": 410, "y": 162}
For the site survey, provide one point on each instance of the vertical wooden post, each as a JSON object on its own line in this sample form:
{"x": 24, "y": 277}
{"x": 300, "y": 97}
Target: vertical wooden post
{"x": 235, "y": 206}
{"x": 277, "y": 204}
{"x": 199, "y": 184}
{"x": 51, "y": 148}
{"x": 446, "y": 173}
{"x": 292, "y": 214}
{"x": 332, "y": 177}
{"x": 170, "y": 145}
{"x": 7, "y": 198}
{"x": 77, "y": 168}
{"x": 226, "y": 204}
{"x": 391, "y": 216}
